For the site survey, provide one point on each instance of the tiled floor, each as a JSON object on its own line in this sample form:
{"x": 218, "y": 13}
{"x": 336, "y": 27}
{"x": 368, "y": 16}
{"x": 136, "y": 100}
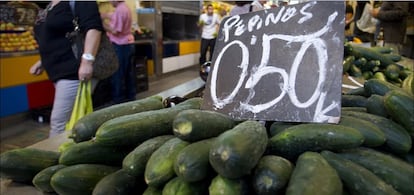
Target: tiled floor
{"x": 24, "y": 131}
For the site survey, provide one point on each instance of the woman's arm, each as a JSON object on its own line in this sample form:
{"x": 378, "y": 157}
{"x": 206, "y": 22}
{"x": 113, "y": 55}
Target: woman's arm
{"x": 92, "y": 40}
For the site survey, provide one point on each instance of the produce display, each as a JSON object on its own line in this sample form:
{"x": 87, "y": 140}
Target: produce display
{"x": 16, "y": 39}
{"x": 186, "y": 150}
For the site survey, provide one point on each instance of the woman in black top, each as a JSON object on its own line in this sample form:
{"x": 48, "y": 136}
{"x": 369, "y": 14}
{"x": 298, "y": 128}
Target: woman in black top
{"x": 57, "y": 58}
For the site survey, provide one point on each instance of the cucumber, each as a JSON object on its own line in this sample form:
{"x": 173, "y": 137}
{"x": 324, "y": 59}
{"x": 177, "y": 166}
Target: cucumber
{"x": 400, "y": 105}
{"x": 271, "y": 175}
{"x": 295, "y": 140}
{"x": 394, "y": 57}
{"x": 313, "y": 175}
{"x": 118, "y": 182}
{"x": 160, "y": 166}
{"x": 356, "y": 178}
{"x": 408, "y": 84}
{"x": 371, "y": 54}
{"x": 392, "y": 170}
{"x": 397, "y": 138}
{"x": 367, "y": 75}
{"x": 370, "y": 65}
{"x": 134, "y": 163}
{"x": 192, "y": 163}
{"x": 353, "y": 101}
{"x": 356, "y": 109}
{"x": 355, "y": 71}
{"x": 383, "y": 50}
{"x": 91, "y": 152}
{"x": 357, "y": 91}
{"x": 380, "y": 76}
{"x": 379, "y": 87}
{"x": 86, "y": 127}
{"x": 42, "y": 179}
{"x": 22, "y": 164}
{"x": 392, "y": 72}
{"x": 236, "y": 152}
{"x": 177, "y": 186}
{"x": 194, "y": 125}
{"x": 79, "y": 179}
{"x": 375, "y": 105}
{"x": 224, "y": 186}
{"x": 373, "y": 136}
{"x": 136, "y": 128}
{"x": 152, "y": 191}
{"x": 348, "y": 61}
{"x": 361, "y": 61}
{"x": 277, "y": 127}
{"x": 62, "y": 147}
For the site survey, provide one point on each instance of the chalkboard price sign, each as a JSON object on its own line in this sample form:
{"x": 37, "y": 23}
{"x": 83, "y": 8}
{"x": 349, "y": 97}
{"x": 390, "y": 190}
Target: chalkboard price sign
{"x": 281, "y": 64}
{"x": 7, "y": 13}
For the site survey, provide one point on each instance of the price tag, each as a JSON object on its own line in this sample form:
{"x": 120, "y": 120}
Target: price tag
{"x": 25, "y": 14}
{"x": 280, "y": 64}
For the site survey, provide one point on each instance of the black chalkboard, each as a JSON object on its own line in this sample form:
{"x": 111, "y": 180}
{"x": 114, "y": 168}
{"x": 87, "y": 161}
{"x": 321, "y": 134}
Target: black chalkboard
{"x": 280, "y": 64}
{"x": 7, "y": 13}
{"x": 25, "y": 14}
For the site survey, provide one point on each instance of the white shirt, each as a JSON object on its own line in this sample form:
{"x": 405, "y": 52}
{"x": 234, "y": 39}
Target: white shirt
{"x": 209, "y": 27}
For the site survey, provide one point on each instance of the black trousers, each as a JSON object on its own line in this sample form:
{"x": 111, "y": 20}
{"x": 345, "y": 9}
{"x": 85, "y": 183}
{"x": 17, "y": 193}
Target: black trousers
{"x": 206, "y": 44}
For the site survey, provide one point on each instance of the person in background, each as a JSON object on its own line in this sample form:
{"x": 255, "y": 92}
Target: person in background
{"x": 57, "y": 58}
{"x": 119, "y": 32}
{"x": 349, "y": 20}
{"x": 259, "y": 5}
{"x": 284, "y": 3}
{"x": 209, "y": 23}
{"x": 241, "y": 7}
{"x": 393, "y": 20}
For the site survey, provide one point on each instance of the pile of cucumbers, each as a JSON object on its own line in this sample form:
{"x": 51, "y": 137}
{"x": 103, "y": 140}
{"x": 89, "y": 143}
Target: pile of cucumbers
{"x": 374, "y": 62}
{"x": 142, "y": 147}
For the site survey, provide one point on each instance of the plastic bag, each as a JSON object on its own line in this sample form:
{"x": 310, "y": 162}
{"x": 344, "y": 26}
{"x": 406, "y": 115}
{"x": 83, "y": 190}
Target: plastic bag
{"x": 83, "y": 104}
{"x": 367, "y": 23}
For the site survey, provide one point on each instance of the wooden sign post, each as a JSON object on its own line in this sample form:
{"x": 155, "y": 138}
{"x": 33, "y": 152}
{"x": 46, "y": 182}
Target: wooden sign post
{"x": 281, "y": 64}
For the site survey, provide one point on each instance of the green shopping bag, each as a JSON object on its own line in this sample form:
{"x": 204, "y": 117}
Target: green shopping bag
{"x": 83, "y": 104}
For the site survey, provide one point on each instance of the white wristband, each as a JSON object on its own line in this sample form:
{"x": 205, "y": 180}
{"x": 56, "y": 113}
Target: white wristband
{"x": 88, "y": 56}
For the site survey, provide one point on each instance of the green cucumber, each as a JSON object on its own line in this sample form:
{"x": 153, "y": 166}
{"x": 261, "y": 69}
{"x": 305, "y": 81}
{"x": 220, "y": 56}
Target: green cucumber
{"x": 400, "y": 106}
{"x": 371, "y": 54}
{"x": 394, "y": 57}
{"x": 383, "y": 50}
{"x": 408, "y": 84}
{"x": 356, "y": 109}
{"x": 79, "y": 179}
{"x": 392, "y": 170}
{"x": 375, "y": 105}
{"x": 379, "y": 87}
{"x": 160, "y": 166}
{"x": 192, "y": 163}
{"x": 134, "y": 163}
{"x": 91, "y": 152}
{"x": 236, "y": 152}
{"x": 367, "y": 75}
{"x": 118, "y": 182}
{"x": 313, "y": 175}
{"x": 397, "y": 138}
{"x": 348, "y": 61}
{"x": 86, "y": 127}
{"x": 355, "y": 71}
{"x": 372, "y": 134}
{"x": 380, "y": 76}
{"x": 194, "y": 125}
{"x": 277, "y": 127}
{"x": 356, "y": 178}
{"x": 361, "y": 61}
{"x": 353, "y": 101}
{"x": 392, "y": 72}
{"x": 22, "y": 164}
{"x": 357, "y": 91}
{"x": 152, "y": 191}
{"x": 271, "y": 175}
{"x": 137, "y": 128}
{"x": 177, "y": 186}
{"x": 295, "y": 140}
{"x": 370, "y": 65}
{"x": 42, "y": 179}
{"x": 224, "y": 186}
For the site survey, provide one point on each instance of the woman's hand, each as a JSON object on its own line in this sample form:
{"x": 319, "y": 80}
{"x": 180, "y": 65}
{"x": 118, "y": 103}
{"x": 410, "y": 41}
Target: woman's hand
{"x": 85, "y": 70}
{"x": 36, "y": 68}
